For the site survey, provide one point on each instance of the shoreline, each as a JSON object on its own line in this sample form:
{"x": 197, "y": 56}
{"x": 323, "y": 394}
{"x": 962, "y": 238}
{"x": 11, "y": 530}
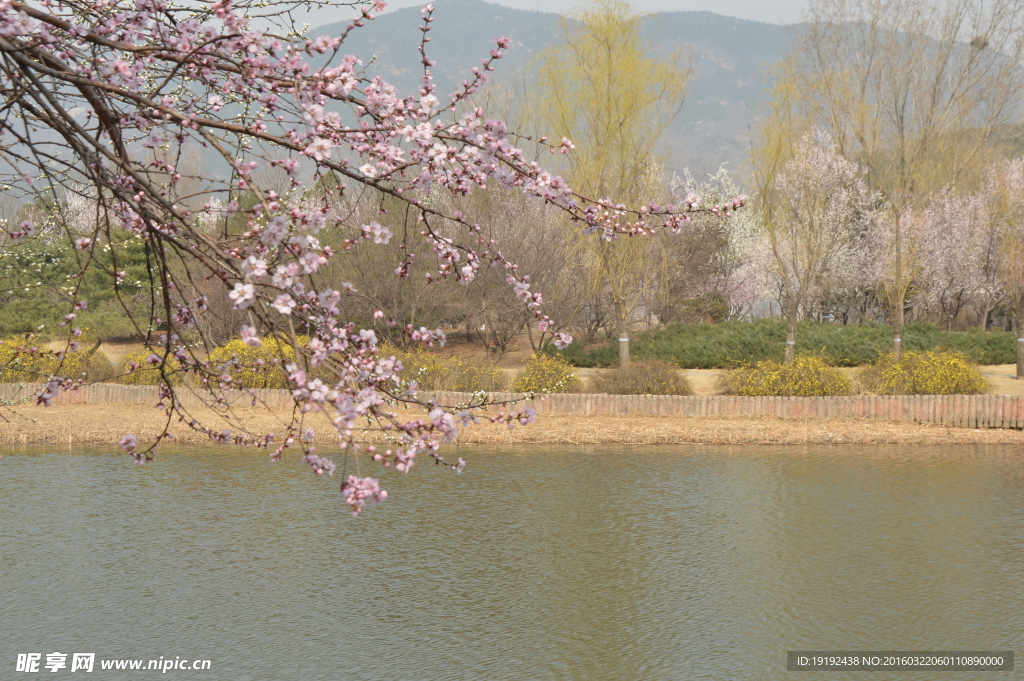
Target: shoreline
{"x": 81, "y": 424}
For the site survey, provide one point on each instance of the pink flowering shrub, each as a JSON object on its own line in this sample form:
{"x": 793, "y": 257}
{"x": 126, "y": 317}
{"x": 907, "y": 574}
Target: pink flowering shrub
{"x": 120, "y": 92}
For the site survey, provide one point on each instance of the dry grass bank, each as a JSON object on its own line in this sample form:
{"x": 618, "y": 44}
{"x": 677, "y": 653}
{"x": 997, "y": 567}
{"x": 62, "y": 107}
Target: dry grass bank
{"x": 95, "y": 423}
{"x": 732, "y": 430}
{"x": 107, "y": 423}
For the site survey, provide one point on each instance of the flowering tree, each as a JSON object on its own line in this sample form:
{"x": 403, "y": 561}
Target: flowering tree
{"x": 812, "y": 210}
{"x": 959, "y": 257}
{"x": 918, "y": 92}
{"x": 1004, "y": 216}
{"x": 103, "y": 100}
{"x": 711, "y": 272}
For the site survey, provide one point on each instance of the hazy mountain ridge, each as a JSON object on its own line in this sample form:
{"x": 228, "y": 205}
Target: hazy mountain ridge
{"x": 729, "y": 57}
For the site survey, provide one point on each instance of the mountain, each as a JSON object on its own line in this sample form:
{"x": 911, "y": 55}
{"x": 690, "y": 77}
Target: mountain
{"x": 728, "y": 56}
{"x": 462, "y": 33}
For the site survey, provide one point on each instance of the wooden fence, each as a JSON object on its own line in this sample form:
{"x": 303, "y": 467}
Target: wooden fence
{"x": 114, "y": 393}
{"x": 962, "y": 411}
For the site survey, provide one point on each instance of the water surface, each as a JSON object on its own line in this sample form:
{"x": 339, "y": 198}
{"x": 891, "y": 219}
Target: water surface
{"x": 550, "y": 563}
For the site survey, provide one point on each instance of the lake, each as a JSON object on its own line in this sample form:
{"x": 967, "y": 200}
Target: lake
{"x": 610, "y": 562}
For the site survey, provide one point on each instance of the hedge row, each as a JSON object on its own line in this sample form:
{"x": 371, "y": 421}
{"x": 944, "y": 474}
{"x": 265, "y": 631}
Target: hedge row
{"x": 716, "y": 346}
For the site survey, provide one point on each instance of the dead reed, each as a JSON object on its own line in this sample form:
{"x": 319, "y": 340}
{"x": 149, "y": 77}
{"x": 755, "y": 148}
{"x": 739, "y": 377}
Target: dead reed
{"x": 100, "y": 423}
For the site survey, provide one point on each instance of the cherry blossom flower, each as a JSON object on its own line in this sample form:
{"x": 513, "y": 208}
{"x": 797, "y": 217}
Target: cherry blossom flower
{"x": 360, "y": 491}
{"x": 319, "y": 148}
{"x": 377, "y": 232}
{"x": 242, "y": 296}
{"x": 250, "y": 337}
{"x": 284, "y": 304}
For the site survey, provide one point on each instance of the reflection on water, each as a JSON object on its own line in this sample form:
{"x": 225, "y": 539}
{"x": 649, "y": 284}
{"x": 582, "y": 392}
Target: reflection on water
{"x": 554, "y": 563}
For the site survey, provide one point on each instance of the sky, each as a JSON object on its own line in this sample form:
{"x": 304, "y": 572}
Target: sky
{"x": 772, "y": 11}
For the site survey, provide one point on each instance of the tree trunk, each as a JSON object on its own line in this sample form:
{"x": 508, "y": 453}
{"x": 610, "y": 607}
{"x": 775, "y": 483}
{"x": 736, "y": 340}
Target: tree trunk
{"x": 623, "y": 340}
{"x": 791, "y": 320}
{"x": 1020, "y": 340}
{"x": 897, "y": 330}
{"x": 898, "y": 291}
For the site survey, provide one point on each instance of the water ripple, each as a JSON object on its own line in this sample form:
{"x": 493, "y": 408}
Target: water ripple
{"x": 555, "y": 563}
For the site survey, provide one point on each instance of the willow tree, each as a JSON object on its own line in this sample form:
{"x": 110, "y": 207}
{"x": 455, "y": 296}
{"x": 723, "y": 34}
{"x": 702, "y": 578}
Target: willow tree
{"x": 600, "y": 88}
{"x": 918, "y": 93}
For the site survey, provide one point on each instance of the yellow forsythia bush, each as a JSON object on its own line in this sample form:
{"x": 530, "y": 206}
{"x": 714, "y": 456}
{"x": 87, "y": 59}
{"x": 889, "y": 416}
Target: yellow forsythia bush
{"x": 642, "y": 378}
{"x": 545, "y": 373}
{"x": 455, "y": 374}
{"x": 22, "y": 361}
{"x": 807, "y": 376}
{"x": 136, "y": 370}
{"x": 259, "y": 367}
{"x": 936, "y": 372}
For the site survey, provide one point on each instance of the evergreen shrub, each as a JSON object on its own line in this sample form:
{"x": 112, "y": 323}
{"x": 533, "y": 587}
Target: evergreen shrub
{"x": 715, "y": 346}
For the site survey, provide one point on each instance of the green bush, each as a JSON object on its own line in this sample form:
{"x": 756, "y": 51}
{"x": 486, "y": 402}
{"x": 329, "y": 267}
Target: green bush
{"x": 711, "y": 346}
{"x": 448, "y": 373}
{"x": 937, "y": 372}
{"x": 544, "y": 373}
{"x": 642, "y": 378}
{"x": 807, "y": 376}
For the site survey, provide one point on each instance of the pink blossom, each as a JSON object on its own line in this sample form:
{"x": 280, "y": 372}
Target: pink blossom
{"x": 284, "y": 304}
{"x": 359, "y": 491}
{"x": 562, "y": 340}
{"x": 319, "y": 148}
{"x": 176, "y": 77}
{"x": 320, "y": 465}
{"x": 242, "y": 295}
{"x": 250, "y": 337}
{"x": 377, "y": 232}
{"x": 254, "y": 267}
{"x": 128, "y": 443}
{"x": 46, "y": 397}
{"x": 25, "y": 229}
